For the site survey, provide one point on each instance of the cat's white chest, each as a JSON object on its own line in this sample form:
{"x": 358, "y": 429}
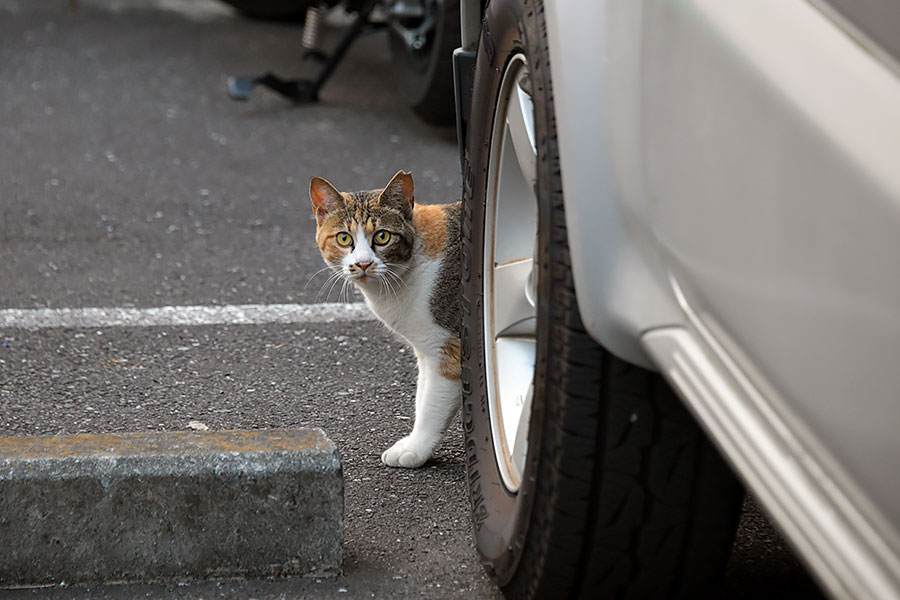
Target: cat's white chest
{"x": 408, "y": 312}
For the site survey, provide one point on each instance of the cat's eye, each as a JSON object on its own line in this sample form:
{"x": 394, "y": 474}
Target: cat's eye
{"x": 382, "y": 237}
{"x": 343, "y": 239}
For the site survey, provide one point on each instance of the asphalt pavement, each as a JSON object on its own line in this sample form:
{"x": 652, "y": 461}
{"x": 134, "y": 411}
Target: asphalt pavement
{"x": 129, "y": 179}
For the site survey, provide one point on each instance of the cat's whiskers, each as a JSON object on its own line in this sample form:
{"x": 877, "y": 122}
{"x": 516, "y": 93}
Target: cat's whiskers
{"x": 344, "y": 282}
{"x": 387, "y": 286}
{"x": 322, "y": 287}
{"x": 383, "y": 282}
{"x": 332, "y": 279}
{"x": 314, "y": 275}
{"x": 403, "y": 266}
{"x": 396, "y": 268}
{"x": 394, "y": 283}
{"x": 393, "y": 277}
{"x": 346, "y": 291}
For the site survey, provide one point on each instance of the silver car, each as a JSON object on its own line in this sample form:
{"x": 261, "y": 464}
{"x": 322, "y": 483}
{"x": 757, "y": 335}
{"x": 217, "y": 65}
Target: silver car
{"x": 681, "y": 242}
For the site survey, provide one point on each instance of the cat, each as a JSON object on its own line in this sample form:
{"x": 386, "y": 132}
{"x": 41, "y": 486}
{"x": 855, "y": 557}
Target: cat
{"x": 404, "y": 258}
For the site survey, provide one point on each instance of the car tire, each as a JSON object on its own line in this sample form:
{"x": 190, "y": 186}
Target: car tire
{"x": 425, "y": 76}
{"x": 617, "y": 493}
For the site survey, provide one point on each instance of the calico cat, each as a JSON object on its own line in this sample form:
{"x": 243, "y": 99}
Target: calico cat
{"x": 404, "y": 258}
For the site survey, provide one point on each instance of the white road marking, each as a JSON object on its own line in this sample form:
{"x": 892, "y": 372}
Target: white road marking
{"x": 198, "y": 10}
{"x": 243, "y": 314}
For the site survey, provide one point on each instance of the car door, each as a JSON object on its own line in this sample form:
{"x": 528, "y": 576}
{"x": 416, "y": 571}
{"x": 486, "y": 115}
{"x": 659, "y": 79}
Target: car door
{"x": 771, "y": 166}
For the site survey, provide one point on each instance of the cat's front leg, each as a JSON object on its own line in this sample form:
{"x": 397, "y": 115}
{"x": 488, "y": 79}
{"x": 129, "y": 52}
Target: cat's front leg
{"x": 437, "y": 400}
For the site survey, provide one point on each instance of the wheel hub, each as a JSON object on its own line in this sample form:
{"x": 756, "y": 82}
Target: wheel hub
{"x": 510, "y": 277}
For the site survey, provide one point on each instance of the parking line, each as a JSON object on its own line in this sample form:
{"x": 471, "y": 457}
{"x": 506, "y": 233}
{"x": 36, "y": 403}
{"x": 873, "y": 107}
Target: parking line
{"x": 241, "y": 314}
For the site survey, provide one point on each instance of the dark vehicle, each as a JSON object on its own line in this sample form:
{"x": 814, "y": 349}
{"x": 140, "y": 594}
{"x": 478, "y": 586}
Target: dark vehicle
{"x": 422, "y": 34}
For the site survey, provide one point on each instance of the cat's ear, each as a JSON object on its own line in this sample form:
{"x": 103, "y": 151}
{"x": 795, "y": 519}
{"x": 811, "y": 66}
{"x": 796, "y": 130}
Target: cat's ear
{"x": 325, "y": 197}
{"x": 399, "y": 193}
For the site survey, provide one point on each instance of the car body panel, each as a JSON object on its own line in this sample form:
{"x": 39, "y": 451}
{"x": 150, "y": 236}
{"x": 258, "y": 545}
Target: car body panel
{"x": 832, "y": 526}
{"x": 781, "y": 224}
{"x": 735, "y": 168}
{"x": 621, "y": 283}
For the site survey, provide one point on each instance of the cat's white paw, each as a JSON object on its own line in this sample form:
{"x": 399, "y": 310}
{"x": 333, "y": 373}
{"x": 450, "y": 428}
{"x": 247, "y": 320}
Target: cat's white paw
{"x": 406, "y": 453}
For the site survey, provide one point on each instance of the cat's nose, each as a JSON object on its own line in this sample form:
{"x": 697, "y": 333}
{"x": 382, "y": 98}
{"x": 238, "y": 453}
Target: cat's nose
{"x": 363, "y": 265}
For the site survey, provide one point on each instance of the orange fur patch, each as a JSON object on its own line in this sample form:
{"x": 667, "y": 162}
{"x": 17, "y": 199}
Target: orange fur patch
{"x": 430, "y": 222}
{"x": 325, "y": 235}
{"x": 450, "y": 367}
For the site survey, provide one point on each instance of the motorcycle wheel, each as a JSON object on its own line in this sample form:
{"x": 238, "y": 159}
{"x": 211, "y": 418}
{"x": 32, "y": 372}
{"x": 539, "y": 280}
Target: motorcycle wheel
{"x": 588, "y": 478}
{"x": 422, "y": 48}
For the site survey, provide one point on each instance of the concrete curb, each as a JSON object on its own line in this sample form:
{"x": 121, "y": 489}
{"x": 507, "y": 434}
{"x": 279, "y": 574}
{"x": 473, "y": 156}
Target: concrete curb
{"x": 151, "y": 506}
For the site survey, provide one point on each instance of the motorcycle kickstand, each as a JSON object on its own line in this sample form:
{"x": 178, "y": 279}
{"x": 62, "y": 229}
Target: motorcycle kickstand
{"x": 304, "y": 91}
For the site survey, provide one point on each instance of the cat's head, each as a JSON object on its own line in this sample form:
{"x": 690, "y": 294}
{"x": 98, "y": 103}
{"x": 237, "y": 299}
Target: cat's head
{"x": 368, "y": 237}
